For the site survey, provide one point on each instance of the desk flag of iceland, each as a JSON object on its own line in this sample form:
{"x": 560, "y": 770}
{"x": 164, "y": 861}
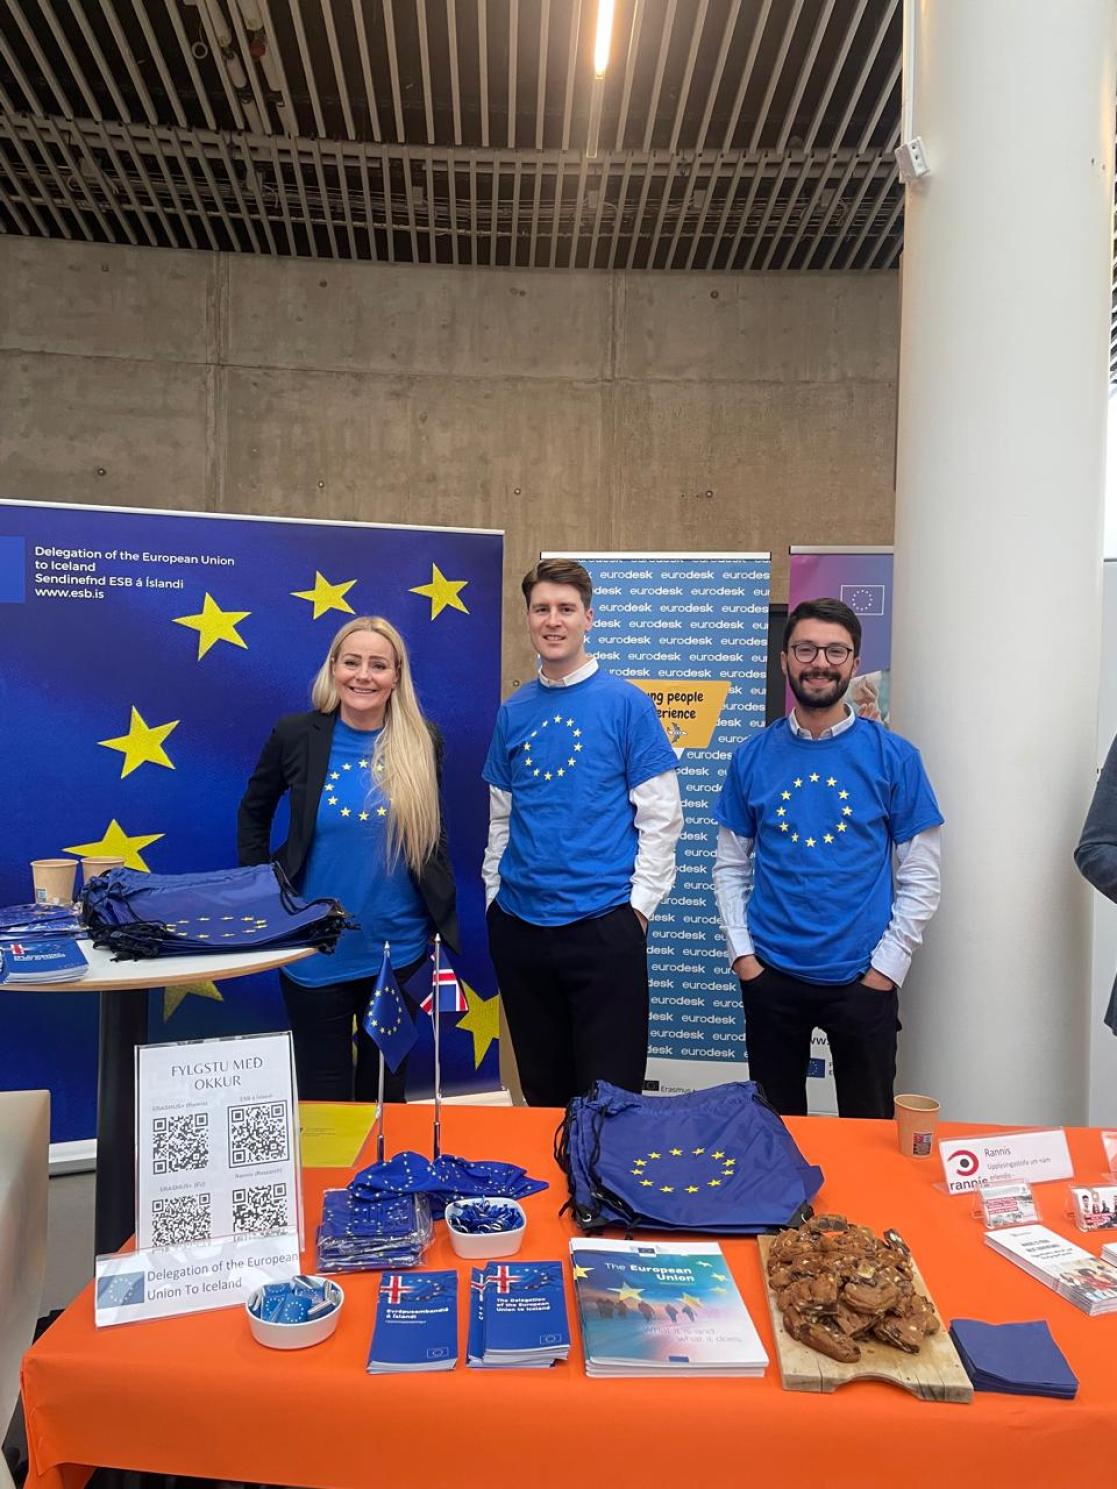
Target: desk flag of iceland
{"x": 387, "y": 1020}
{"x": 719, "y": 1161}
{"x": 451, "y": 999}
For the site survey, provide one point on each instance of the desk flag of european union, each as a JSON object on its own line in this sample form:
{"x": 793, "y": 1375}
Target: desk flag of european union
{"x": 387, "y": 1020}
{"x": 719, "y": 1161}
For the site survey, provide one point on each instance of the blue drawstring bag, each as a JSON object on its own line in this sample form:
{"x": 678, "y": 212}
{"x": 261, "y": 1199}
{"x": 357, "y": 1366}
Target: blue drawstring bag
{"x": 719, "y": 1161}
{"x": 140, "y": 915}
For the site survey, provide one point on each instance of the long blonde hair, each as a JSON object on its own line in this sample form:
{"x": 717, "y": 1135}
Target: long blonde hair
{"x": 403, "y": 763}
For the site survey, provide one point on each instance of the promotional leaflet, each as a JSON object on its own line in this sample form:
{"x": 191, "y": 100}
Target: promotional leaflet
{"x": 1087, "y": 1281}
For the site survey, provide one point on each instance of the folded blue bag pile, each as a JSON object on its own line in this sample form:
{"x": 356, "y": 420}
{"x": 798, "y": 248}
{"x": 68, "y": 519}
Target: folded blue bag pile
{"x": 140, "y": 915}
{"x": 719, "y": 1161}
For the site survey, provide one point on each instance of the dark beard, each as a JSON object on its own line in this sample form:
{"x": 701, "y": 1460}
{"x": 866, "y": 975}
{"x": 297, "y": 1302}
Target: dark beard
{"x": 818, "y": 702}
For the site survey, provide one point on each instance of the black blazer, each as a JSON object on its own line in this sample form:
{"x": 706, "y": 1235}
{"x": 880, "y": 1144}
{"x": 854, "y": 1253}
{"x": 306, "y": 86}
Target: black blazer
{"x": 1096, "y": 854}
{"x": 295, "y": 759}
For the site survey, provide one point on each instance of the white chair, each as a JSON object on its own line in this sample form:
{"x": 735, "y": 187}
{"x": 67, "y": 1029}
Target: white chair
{"x": 24, "y": 1174}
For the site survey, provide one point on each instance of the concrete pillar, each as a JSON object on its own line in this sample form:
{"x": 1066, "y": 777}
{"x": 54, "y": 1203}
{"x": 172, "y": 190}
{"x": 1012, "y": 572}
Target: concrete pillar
{"x": 1000, "y": 456}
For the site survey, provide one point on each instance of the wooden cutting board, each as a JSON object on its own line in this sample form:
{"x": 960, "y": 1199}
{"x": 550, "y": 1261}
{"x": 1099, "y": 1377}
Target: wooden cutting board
{"x": 934, "y": 1374}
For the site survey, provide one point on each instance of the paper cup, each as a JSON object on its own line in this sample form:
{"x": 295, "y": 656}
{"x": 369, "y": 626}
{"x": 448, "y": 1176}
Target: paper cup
{"x": 53, "y": 879}
{"x": 916, "y": 1119}
{"x": 91, "y": 867}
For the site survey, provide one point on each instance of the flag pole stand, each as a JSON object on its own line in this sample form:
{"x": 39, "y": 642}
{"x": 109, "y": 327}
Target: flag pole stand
{"x": 380, "y": 1113}
{"x": 380, "y": 1094}
{"x": 437, "y": 1142}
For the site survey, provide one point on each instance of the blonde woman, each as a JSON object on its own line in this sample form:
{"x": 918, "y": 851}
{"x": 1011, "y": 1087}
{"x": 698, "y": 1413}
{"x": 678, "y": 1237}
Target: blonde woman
{"x": 362, "y": 771}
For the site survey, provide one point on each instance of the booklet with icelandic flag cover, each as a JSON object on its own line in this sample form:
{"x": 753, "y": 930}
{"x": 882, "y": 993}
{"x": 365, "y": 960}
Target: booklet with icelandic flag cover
{"x": 416, "y": 1324}
{"x": 41, "y": 961}
{"x": 517, "y": 1316}
{"x": 662, "y": 1309}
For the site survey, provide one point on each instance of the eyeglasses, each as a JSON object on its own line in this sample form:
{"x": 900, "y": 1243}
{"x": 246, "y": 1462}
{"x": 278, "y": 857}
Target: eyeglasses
{"x": 806, "y": 651}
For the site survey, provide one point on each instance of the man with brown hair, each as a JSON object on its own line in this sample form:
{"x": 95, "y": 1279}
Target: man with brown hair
{"x": 584, "y": 817}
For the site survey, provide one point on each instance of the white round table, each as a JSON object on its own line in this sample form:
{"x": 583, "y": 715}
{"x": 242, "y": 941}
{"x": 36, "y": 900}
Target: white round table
{"x": 124, "y": 989}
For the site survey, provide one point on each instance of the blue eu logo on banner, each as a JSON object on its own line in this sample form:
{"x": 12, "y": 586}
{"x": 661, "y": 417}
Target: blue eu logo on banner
{"x": 13, "y": 568}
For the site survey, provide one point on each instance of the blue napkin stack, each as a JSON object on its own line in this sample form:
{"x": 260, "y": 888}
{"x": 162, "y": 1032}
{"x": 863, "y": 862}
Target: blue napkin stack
{"x": 1014, "y": 1359}
{"x": 517, "y": 1316}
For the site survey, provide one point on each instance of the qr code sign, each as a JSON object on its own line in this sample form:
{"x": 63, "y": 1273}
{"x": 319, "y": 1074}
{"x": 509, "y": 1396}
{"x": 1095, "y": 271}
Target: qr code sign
{"x": 258, "y": 1134}
{"x": 179, "y": 1144}
{"x": 260, "y": 1210}
{"x": 179, "y": 1219}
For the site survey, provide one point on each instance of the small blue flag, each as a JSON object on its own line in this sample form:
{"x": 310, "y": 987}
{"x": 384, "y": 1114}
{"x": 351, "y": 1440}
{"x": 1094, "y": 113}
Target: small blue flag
{"x": 387, "y": 1020}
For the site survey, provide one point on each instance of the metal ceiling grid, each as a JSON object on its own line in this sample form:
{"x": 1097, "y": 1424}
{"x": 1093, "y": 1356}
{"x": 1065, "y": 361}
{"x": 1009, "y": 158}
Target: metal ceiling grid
{"x": 725, "y": 134}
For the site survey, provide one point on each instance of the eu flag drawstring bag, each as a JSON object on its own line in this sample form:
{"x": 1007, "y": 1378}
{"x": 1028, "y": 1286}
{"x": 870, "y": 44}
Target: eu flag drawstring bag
{"x": 140, "y": 915}
{"x": 719, "y": 1161}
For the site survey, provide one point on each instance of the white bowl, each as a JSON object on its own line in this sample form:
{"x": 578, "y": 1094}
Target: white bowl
{"x": 485, "y": 1244}
{"x": 297, "y": 1336}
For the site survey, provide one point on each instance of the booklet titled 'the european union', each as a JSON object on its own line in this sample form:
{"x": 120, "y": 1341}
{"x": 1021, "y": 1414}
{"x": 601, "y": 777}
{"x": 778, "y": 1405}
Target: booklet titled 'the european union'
{"x": 669, "y": 1308}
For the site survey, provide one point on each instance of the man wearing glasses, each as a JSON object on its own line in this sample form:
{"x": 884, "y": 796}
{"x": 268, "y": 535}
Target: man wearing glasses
{"x": 827, "y": 872}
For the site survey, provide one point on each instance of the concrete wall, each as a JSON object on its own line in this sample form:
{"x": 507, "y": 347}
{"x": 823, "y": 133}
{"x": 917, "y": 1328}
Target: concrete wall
{"x": 575, "y": 410}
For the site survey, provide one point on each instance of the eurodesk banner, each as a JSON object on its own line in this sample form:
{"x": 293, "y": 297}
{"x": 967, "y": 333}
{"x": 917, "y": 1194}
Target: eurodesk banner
{"x": 144, "y": 658}
{"x": 691, "y": 630}
{"x": 862, "y": 579}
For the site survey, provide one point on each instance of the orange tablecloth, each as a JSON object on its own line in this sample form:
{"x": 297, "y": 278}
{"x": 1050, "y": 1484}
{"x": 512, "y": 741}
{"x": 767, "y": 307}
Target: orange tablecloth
{"x": 197, "y": 1395}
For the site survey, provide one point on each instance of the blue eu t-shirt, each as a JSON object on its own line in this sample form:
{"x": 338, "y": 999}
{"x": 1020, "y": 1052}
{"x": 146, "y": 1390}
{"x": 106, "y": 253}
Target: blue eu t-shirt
{"x": 348, "y": 861}
{"x": 570, "y": 756}
{"x": 824, "y": 816}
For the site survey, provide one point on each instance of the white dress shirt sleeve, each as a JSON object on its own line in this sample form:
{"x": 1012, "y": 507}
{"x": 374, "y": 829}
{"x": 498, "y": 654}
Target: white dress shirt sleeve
{"x": 733, "y": 880}
{"x": 915, "y": 900}
{"x": 500, "y": 814}
{"x": 659, "y": 821}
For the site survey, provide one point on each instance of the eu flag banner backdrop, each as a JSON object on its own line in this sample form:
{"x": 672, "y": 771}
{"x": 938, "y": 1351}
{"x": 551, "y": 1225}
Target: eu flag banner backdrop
{"x": 691, "y": 630}
{"x": 144, "y": 658}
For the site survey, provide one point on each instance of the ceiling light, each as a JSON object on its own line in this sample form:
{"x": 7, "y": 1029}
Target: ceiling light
{"x": 603, "y": 37}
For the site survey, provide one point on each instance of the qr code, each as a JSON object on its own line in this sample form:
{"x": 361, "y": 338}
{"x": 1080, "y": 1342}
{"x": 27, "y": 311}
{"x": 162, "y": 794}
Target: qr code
{"x": 258, "y": 1133}
{"x": 260, "y": 1210}
{"x": 179, "y": 1144}
{"x": 179, "y": 1219}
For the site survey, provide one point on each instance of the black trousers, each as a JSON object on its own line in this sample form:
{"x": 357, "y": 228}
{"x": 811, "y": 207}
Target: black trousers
{"x": 321, "y": 1020}
{"x": 576, "y": 1000}
{"x": 861, "y": 1023}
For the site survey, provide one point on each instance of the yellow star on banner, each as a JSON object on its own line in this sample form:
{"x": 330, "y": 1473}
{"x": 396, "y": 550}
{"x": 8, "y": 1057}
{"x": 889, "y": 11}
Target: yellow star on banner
{"x": 214, "y": 625}
{"x": 442, "y": 592}
{"x": 624, "y": 1292}
{"x": 142, "y": 745}
{"x": 482, "y": 1021}
{"x": 173, "y": 997}
{"x": 116, "y": 843}
{"x": 326, "y": 596}
{"x": 689, "y": 1302}
{"x": 580, "y": 1271}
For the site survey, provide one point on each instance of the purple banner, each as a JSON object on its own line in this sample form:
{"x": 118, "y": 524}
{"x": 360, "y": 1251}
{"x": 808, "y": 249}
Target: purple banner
{"x": 863, "y": 581}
